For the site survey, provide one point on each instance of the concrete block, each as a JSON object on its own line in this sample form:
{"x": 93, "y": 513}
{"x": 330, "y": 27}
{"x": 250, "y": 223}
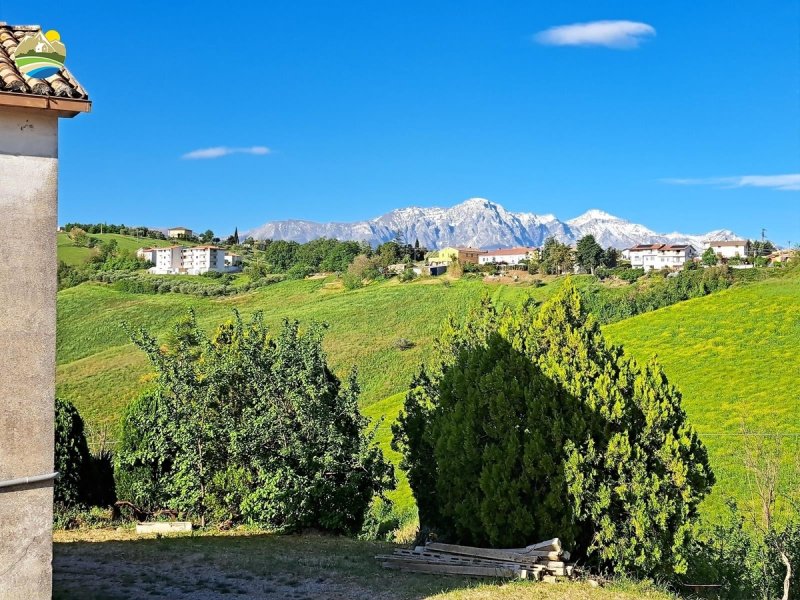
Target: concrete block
{"x": 164, "y": 527}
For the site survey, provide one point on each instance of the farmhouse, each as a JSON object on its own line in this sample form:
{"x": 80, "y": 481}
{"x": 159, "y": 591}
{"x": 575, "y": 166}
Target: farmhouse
{"x": 508, "y": 256}
{"x": 182, "y": 260}
{"x": 29, "y": 113}
{"x": 179, "y": 233}
{"x": 470, "y": 255}
{"x": 731, "y": 248}
{"x": 660, "y": 256}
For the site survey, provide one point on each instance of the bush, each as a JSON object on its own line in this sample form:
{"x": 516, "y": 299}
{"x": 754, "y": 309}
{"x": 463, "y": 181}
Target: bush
{"x": 352, "y": 281}
{"x": 83, "y": 479}
{"x": 403, "y": 344}
{"x": 299, "y": 272}
{"x": 535, "y": 427}
{"x": 407, "y": 275}
{"x": 248, "y": 428}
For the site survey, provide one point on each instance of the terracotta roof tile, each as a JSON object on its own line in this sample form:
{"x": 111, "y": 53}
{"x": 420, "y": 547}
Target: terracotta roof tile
{"x": 63, "y": 84}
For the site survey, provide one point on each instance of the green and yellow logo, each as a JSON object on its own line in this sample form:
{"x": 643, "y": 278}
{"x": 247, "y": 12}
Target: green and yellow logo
{"x": 40, "y": 55}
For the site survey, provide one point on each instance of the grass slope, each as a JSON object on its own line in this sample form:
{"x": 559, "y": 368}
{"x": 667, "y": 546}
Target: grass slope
{"x": 735, "y": 356}
{"x": 75, "y": 255}
{"x": 100, "y": 371}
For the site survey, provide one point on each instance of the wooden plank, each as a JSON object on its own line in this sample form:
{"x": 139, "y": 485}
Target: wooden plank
{"x": 468, "y": 570}
{"x": 488, "y": 552}
{"x": 553, "y": 545}
{"x": 454, "y": 560}
{"x": 526, "y": 562}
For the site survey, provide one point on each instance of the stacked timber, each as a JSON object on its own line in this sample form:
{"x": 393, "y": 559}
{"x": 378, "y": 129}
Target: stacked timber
{"x": 545, "y": 561}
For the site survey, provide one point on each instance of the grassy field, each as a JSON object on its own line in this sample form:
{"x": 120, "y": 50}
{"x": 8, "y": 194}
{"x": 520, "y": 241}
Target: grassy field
{"x": 735, "y": 356}
{"x": 100, "y": 371}
{"x": 75, "y": 255}
{"x": 103, "y": 564}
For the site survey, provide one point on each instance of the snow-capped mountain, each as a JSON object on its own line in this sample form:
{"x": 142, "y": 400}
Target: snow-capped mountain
{"x": 481, "y": 223}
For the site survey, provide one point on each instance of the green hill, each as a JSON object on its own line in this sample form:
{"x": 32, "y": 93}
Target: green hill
{"x": 76, "y": 255}
{"x": 101, "y": 371}
{"x": 735, "y": 356}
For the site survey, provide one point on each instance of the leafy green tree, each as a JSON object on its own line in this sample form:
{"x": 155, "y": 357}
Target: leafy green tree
{"x": 248, "y": 427}
{"x": 556, "y": 257}
{"x": 610, "y": 257}
{"x": 709, "y": 257}
{"x": 581, "y": 442}
{"x": 78, "y": 236}
{"x": 207, "y": 236}
{"x": 589, "y": 253}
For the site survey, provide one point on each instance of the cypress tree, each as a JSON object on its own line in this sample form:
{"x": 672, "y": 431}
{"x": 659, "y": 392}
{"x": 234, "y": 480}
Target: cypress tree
{"x": 534, "y": 427}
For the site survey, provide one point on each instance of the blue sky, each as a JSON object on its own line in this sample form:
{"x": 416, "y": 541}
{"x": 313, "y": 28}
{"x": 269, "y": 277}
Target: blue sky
{"x": 368, "y": 106}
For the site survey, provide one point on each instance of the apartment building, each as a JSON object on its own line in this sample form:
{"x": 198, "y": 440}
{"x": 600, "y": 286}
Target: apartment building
{"x": 182, "y": 260}
{"x": 660, "y": 256}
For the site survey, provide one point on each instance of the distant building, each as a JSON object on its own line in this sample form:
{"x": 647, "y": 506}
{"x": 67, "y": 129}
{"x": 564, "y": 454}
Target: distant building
{"x": 660, "y": 256}
{"x": 508, "y": 256}
{"x": 445, "y": 257}
{"x": 731, "y": 248}
{"x": 182, "y": 260}
{"x": 470, "y": 255}
{"x": 179, "y": 233}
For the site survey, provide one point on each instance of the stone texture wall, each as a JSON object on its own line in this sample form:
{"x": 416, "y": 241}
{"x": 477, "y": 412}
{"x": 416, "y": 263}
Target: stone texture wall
{"x": 28, "y": 221}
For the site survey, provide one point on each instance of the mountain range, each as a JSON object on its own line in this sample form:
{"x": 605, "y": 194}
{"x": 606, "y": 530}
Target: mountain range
{"x": 481, "y": 223}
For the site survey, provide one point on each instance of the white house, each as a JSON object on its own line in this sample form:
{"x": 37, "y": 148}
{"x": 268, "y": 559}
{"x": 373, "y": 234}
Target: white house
{"x": 182, "y": 260}
{"x": 660, "y": 256}
{"x": 731, "y": 248}
{"x": 179, "y": 233}
{"x": 30, "y": 110}
{"x": 508, "y": 256}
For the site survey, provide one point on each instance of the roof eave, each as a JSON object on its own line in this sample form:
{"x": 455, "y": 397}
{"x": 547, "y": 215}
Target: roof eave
{"x": 62, "y": 107}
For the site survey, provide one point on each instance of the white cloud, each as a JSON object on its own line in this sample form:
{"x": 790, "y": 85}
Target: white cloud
{"x": 612, "y": 34}
{"x": 218, "y": 151}
{"x": 787, "y": 182}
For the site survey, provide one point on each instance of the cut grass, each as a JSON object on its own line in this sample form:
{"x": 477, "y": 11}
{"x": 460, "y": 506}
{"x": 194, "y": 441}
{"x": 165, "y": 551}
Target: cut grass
{"x": 99, "y": 370}
{"x": 735, "y": 356}
{"x": 75, "y": 255}
{"x": 116, "y": 564}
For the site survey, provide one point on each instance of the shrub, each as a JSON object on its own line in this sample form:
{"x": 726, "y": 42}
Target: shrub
{"x": 403, "y": 344}
{"x": 352, "y": 281}
{"x": 299, "y": 272}
{"x": 535, "y": 427}
{"x": 244, "y": 427}
{"x": 407, "y": 275}
{"x": 83, "y": 479}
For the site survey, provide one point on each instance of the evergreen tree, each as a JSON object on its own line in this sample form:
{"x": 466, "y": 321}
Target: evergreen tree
{"x": 534, "y": 427}
{"x": 589, "y": 253}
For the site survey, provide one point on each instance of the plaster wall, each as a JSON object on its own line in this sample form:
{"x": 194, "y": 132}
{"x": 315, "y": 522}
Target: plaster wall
{"x": 28, "y": 217}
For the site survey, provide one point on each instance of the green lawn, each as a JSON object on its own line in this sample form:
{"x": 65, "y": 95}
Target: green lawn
{"x": 74, "y": 255}
{"x": 735, "y": 356}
